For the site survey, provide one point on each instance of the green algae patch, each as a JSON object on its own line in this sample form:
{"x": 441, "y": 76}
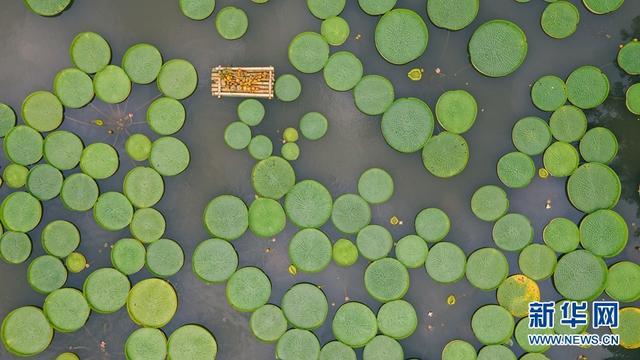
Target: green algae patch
{"x": 177, "y": 79}
{"x": 350, "y": 213}
{"x": 344, "y": 253}
{"x": 47, "y": 8}
{"x": 43, "y": 111}
{"x": 568, "y": 123}
{"x": 112, "y": 85}
{"x": 214, "y": 261}
{"x": 601, "y": 7}
{"x": 401, "y": 36}
{"x": 604, "y": 233}
{"x": 288, "y": 87}
{"x": 531, "y": 135}
{"x": 166, "y": 116}
{"x": 599, "y": 145}
{"x": 298, "y": 344}
{"x": 456, "y": 111}
{"x": 128, "y": 256}
{"x": 142, "y": 63}
{"x": 561, "y": 159}
{"x": 15, "y": 247}
{"x": 106, "y": 290}
{"x": 15, "y": 176}
{"x": 374, "y": 242}
{"x": 62, "y": 149}
{"x": 310, "y": 250}
{"x": 232, "y": 22}
{"x": 152, "y": 303}
{"x": 335, "y": 30}
{"x": 138, "y": 147}
{"x": 44, "y": 182}
{"x": 489, "y": 203}
{"x": 248, "y": 289}
{"x": 562, "y": 235}
{"x": 66, "y": 309}
{"x": 537, "y": 261}
{"x": 26, "y": 331}
{"x": 587, "y": 87}
{"x": 375, "y": 185}
{"x": 146, "y": 344}
{"x": 452, "y": 15}
{"x": 46, "y": 273}
{"x": 23, "y": 145}
{"x": 560, "y": 19}
{"x": 632, "y": 97}
{"x": 376, "y": 7}
{"x": 397, "y": 319}
{"x": 197, "y": 9}
{"x": 75, "y": 262}
{"x": 305, "y": 306}
{"x": 268, "y": 323}
{"x": 143, "y": 186}
{"x": 323, "y": 9}
{"x": 432, "y": 224}
{"x": 580, "y": 275}
{"x": 512, "y": 232}
{"x": 266, "y": 217}
{"x": 487, "y": 268}
{"x": 251, "y": 112}
{"x": 343, "y": 71}
{"x": 354, "y": 324}
{"x": 336, "y": 350}
{"x": 60, "y": 238}
{"x": 549, "y": 92}
{"x": 386, "y": 279}
{"x": 458, "y": 350}
{"x": 113, "y": 211}
{"x": 273, "y": 177}
{"x": 191, "y": 342}
{"x": 226, "y": 217}
{"x": 412, "y": 251}
{"x": 516, "y": 170}
{"x": 628, "y": 328}
{"x": 407, "y": 124}
{"x": 383, "y": 347}
{"x": 446, "y": 263}
{"x": 237, "y": 135}
{"x": 623, "y": 281}
{"x": 7, "y": 119}
{"x": 308, "y": 52}
{"x": 445, "y": 155}
{"x": 20, "y": 211}
{"x": 308, "y": 204}
{"x": 260, "y": 147}
{"x": 593, "y": 186}
{"x": 498, "y": 48}
{"x": 99, "y": 160}
{"x": 515, "y": 294}
{"x": 90, "y": 52}
{"x": 164, "y": 258}
{"x": 522, "y": 332}
{"x": 629, "y": 58}
{"x": 374, "y": 94}
{"x": 492, "y": 324}
{"x": 169, "y": 156}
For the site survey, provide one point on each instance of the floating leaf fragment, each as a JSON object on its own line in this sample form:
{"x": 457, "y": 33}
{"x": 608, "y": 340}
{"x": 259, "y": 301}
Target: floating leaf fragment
{"x": 394, "y": 220}
{"x": 292, "y": 270}
{"x": 98, "y": 122}
{"x": 415, "y": 74}
{"x": 451, "y": 300}
{"x": 543, "y": 173}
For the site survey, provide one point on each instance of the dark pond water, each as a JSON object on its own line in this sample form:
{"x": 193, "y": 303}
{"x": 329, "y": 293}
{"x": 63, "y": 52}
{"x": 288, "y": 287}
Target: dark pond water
{"x": 33, "y": 49}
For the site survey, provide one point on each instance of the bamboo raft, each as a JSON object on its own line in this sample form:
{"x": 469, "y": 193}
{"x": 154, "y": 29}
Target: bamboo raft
{"x": 254, "y": 82}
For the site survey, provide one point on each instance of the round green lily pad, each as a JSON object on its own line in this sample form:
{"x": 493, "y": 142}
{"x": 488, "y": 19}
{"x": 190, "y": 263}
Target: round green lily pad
{"x": 73, "y": 88}
{"x": 376, "y": 7}
{"x": 516, "y": 170}
{"x": 20, "y": 211}
{"x": 386, "y": 279}
{"x": 192, "y": 342}
{"x": 623, "y": 281}
{"x": 305, "y": 306}
{"x": 487, "y": 268}
{"x": 604, "y": 233}
{"x": 60, "y": 238}
{"x": 46, "y": 273}
{"x": 515, "y": 294}
{"x": 561, "y": 159}
{"x": 23, "y": 145}
{"x": 143, "y": 186}
{"x": 549, "y": 92}
{"x": 456, "y": 110}
{"x": 67, "y": 356}
{"x": 273, "y": 177}
{"x": 344, "y": 253}
{"x": 214, "y": 261}
{"x": 628, "y": 328}
{"x": 113, "y": 211}
{"x": 407, "y": 125}
{"x": 335, "y": 30}
{"x": 197, "y": 9}
{"x": 375, "y": 185}
{"x": 397, "y": 319}
{"x": 99, "y": 160}
{"x": 537, "y": 261}
{"x": 232, "y": 22}
{"x": 138, "y": 147}
{"x": 336, "y": 350}
{"x": 260, "y": 147}
{"x": 166, "y": 116}
{"x": 498, "y": 48}
{"x": 290, "y": 135}
{"x": 452, "y": 14}
{"x": 298, "y": 344}
{"x": 164, "y": 257}
{"x": 7, "y": 119}
{"x": 313, "y": 125}
{"x": 15, "y": 247}
{"x": 106, "y": 290}
{"x": 90, "y": 52}
{"x": 401, "y": 36}
{"x": 587, "y": 87}
{"x": 489, "y": 203}
{"x": 177, "y": 79}
{"x": 602, "y": 6}
{"x": 169, "y": 156}
{"x": 512, "y": 232}
{"x": 290, "y": 151}
{"x": 374, "y": 94}
{"x": 147, "y": 225}
{"x": 412, "y": 251}
{"x": 237, "y": 135}
{"x": 323, "y": 9}
{"x": 458, "y": 350}
{"x": 75, "y": 262}
{"x": 374, "y": 242}
{"x": 128, "y": 256}
{"x": 63, "y": 149}
{"x": 445, "y": 263}
{"x": 343, "y": 71}
{"x": 146, "y": 344}
{"x": 66, "y": 309}
{"x": 268, "y": 323}
{"x": 632, "y": 97}
{"x": 432, "y": 224}
{"x": 152, "y": 303}
{"x": 308, "y": 52}
{"x": 580, "y": 275}
{"x": 248, "y": 289}
{"x": 383, "y": 347}
{"x": 354, "y": 324}
{"x": 628, "y": 58}
{"x": 287, "y": 87}
{"x": 310, "y": 250}
{"x": 445, "y": 155}
{"x": 522, "y": 332}
{"x": 560, "y": 328}
{"x": 142, "y": 63}
{"x": 266, "y": 217}
{"x": 44, "y": 181}
{"x": 43, "y": 111}
{"x": 492, "y": 324}
{"x": 112, "y": 85}
{"x": 492, "y": 352}
{"x": 531, "y": 135}
{"x": 562, "y": 235}
{"x": 593, "y": 186}
{"x": 560, "y": 19}
{"x": 308, "y": 204}
{"x": 251, "y": 112}
{"x": 48, "y": 8}
{"x": 350, "y": 213}
{"x": 226, "y": 217}
{"x": 568, "y": 123}
{"x": 26, "y": 331}
{"x": 15, "y": 176}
